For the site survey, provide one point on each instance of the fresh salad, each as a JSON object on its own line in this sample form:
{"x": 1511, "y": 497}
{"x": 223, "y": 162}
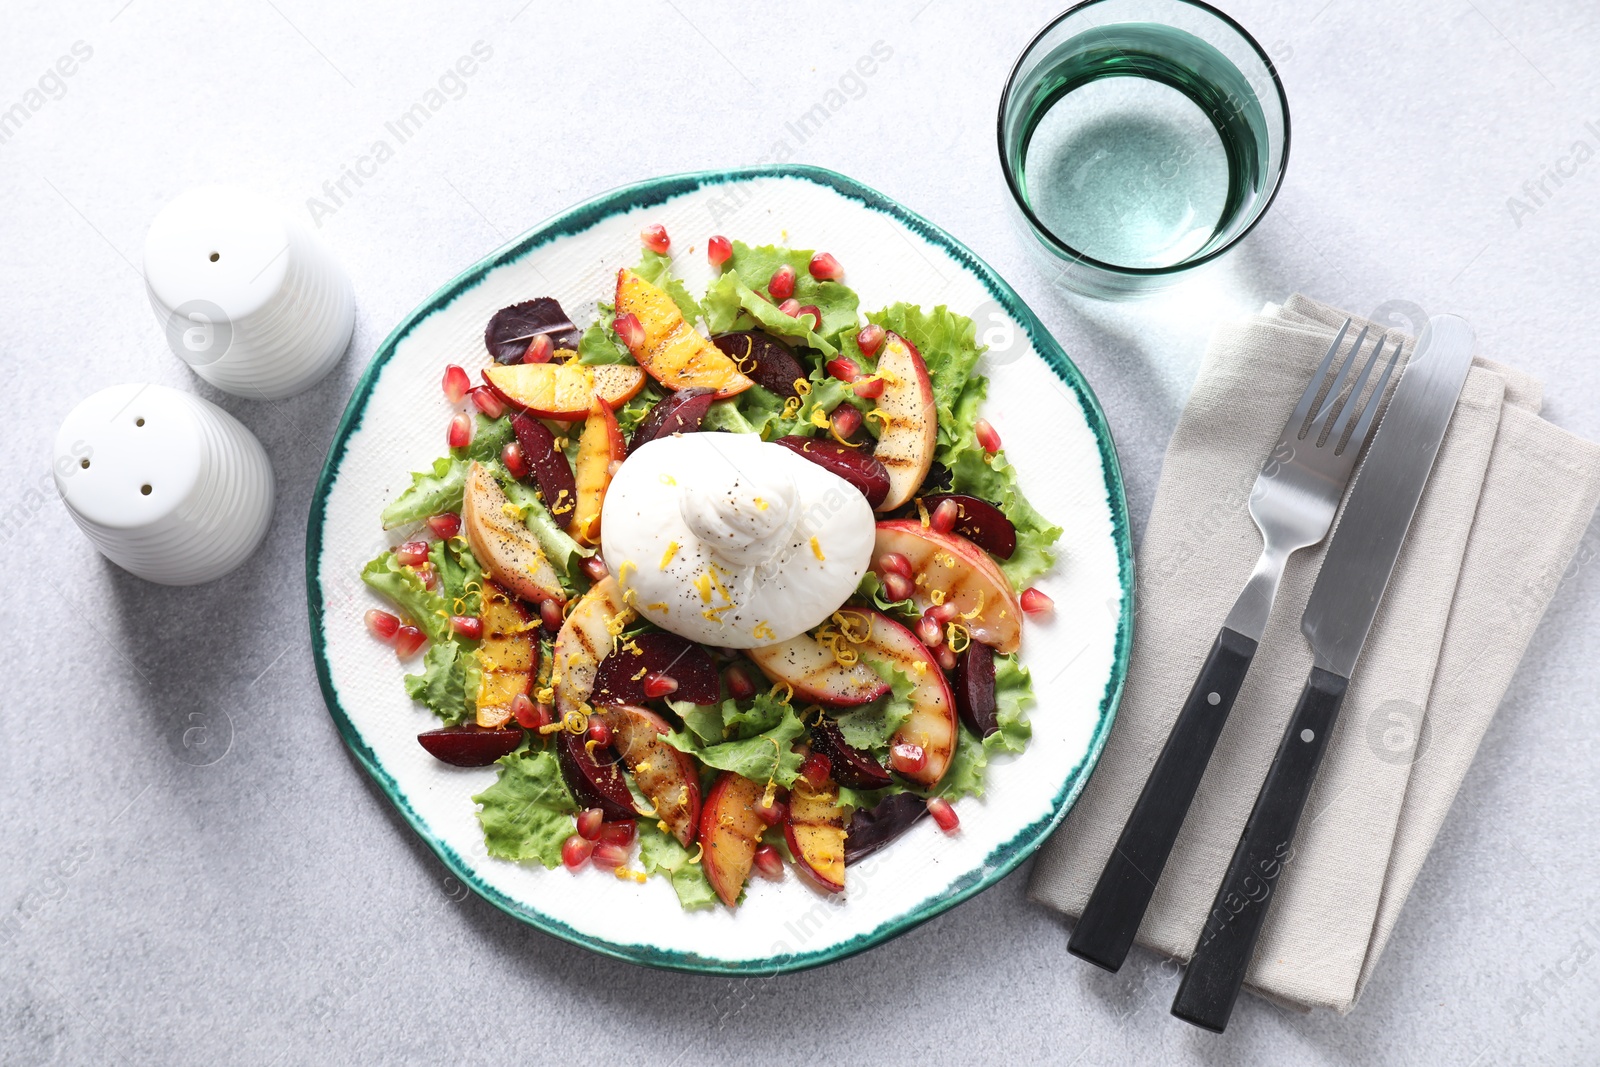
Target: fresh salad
{"x": 724, "y": 584}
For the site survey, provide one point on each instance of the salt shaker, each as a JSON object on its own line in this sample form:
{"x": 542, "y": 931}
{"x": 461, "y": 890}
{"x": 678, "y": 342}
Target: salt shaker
{"x": 165, "y": 484}
{"x": 248, "y": 295}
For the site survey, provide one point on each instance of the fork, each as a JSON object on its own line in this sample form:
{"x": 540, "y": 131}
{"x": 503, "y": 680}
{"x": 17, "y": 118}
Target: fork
{"x": 1293, "y": 504}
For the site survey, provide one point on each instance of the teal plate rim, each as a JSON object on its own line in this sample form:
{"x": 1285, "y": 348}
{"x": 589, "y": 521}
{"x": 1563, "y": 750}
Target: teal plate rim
{"x": 1005, "y": 857}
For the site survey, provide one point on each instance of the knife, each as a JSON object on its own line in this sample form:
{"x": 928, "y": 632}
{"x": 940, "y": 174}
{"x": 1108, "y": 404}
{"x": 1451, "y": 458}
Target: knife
{"x": 1337, "y": 618}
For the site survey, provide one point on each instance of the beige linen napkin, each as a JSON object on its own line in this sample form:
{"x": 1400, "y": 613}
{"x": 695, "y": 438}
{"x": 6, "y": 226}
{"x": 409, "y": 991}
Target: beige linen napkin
{"x": 1509, "y": 499}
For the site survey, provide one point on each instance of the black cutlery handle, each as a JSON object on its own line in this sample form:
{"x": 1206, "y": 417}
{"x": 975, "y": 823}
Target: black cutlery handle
{"x": 1109, "y": 922}
{"x": 1216, "y": 971}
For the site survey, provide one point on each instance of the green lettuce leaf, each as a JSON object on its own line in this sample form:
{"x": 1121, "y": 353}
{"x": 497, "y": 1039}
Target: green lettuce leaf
{"x": 755, "y": 265}
{"x": 489, "y": 439}
{"x": 600, "y": 345}
{"x": 660, "y": 853}
{"x": 993, "y": 478}
{"x": 527, "y": 813}
{"x": 631, "y": 414}
{"x": 460, "y": 576}
{"x": 402, "y": 587}
{"x": 760, "y": 758}
{"x": 947, "y": 342}
{"x": 731, "y": 304}
{"x": 431, "y": 492}
{"x": 703, "y": 720}
{"x": 871, "y": 588}
{"x": 713, "y": 724}
{"x": 1013, "y": 691}
{"x": 559, "y": 548}
{"x": 448, "y": 684}
{"x": 964, "y": 777}
{"x": 656, "y": 269}
{"x": 449, "y": 681}
{"x": 870, "y": 726}
{"x": 725, "y": 415}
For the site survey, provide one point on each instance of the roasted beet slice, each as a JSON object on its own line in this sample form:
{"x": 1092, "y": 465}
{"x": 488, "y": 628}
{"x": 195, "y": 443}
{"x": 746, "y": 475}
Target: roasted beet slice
{"x": 855, "y": 465}
{"x": 469, "y": 745}
{"x": 548, "y": 465}
{"x": 980, "y": 522}
{"x": 512, "y": 329}
{"x": 973, "y": 687}
{"x": 620, "y": 681}
{"x": 871, "y": 830}
{"x": 763, "y": 359}
{"x": 851, "y": 766}
{"x": 595, "y": 780}
{"x": 680, "y": 412}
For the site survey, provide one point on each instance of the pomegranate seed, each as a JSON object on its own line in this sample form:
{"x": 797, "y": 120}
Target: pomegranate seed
{"x": 430, "y": 577}
{"x": 824, "y": 268}
{"x": 550, "y": 615}
{"x": 844, "y": 369}
{"x": 539, "y": 349}
{"x": 445, "y": 525}
{"x": 618, "y": 833}
{"x": 456, "y": 383}
{"x": 486, "y": 402}
{"x": 929, "y": 632}
{"x": 870, "y": 388}
{"x": 846, "y": 420}
{"x": 897, "y": 587}
{"x": 517, "y": 463}
{"x": 988, "y": 439}
{"x": 408, "y": 641}
{"x": 907, "y": 758}
{"x": 718, "y": 249}
{"x": 468, "y": 626}
{"x": 655, "y": 238}
{"x": 382, "y": 625}
{"x": 529, "y": 716}
{"x": 630, "y": 331}
{"x": 781, "y": 285}
{"x": 1036, "y": 602}
{"x": 608, "y": 855}
{"x": 412, "y": 554}
{"x": 790, "y": 307}
{"x": 941, "y": 613}
{"x": 816, "y": 769}
{"x": 946, "y": 658}
{"x": 589, "y": 823}
{"x": 769, "y": 863}
{"x": 659, "y": 685}
{"x": 460, "y": 435}
{"x": 945, "y": 516}
{"x": 740, "y": 687}
{"x": 771, "y": 812}
{"x": 944, "y": 815}
{"x": 599, "y": 731}
{"x": 896, "y": 563}
{"x": 595, "y": 568}
{"x": 870, "y": 339}
{"x": 812, "y": 312}
{"x": 575, "y": 851}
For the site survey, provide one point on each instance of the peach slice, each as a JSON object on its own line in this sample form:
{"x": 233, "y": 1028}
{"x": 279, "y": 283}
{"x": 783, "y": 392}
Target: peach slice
{"x": 586, "y": 638}
{"x": 730, "y": 830}
{"x": 808, "y": 667}
{"x": 601, "y": 447}
{"x": 563, "y": 390}
{"x": 664, "y": 774}
{"x": 909, "y": 418}
{"x": 502, "y": 544}
{"x": 508, "y": 656}
{"x": 672, "y": 350}
{"x": 815, "y": 830}
{"x": 965, "y": 574}
{"x": 932, "y": 724}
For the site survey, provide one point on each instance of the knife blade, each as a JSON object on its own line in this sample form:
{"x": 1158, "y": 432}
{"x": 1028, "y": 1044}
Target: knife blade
{"x": 1338, "y": 616}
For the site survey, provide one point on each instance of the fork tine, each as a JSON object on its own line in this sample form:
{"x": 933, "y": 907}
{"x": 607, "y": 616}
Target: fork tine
{"x": 1332, "y": 400}
{"x": 1347, "y": 413}
{"x": 1368, "y": 413}
{"x": 1303, "y": 408}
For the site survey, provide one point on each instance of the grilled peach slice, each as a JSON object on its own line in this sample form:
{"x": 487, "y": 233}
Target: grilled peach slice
{"x": 909, "y": 418}
{"x": 586, "y": 638}
{"x": 969, "y": 578}
{"x": 502, "y": 544}
{"x": 508, "y": 656}
{"x": 671, "y": 350}
{"x": 664, "y": 774}
{"x": 730, "y": 830}
{"x": 600, "y": 448}
{"x": 815, "y": 830}
{"x": 808, "y": 667}
{"x": 563, "y": 390}
{"x": 932, "y": 723}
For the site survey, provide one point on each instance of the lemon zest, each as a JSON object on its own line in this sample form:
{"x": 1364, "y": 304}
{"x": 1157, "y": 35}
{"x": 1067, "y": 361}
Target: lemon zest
{"x": 954, "y": 631}
{"x": 975, "y": 612}
{"x": 575, "y": 722}
{"x": 844, "y": 616}
{"x": 553, "y": 727}
{"x": 816, "y": 549}
{"x": 547, "y": 695}
{"x": 833, "y": 431}
{"x": 882, "y": 416}
{"x": 702, "y": 585}
{"x": 937, "y": 596}
{"x": 761, "y": 505}
{"x": 666, "y": 557}
{"x": 716, "y": 580}
{"x": 802, "y": 387}
{"x": 667, "y": 479}
{"x": 700, "y": 851}
{"x": 791, "y": 408}
{"x": 820, "y": 419}
{"x": 922, "y": 513}
{"x": 642, "y": 672}
{"x": 661, "y": 606}
{"x": 788, "y": 691}
{"x": 762, "y": 631}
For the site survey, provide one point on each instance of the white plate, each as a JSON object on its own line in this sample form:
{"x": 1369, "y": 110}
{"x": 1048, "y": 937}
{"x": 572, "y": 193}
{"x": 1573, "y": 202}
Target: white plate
{"x": 1054, "y": 433}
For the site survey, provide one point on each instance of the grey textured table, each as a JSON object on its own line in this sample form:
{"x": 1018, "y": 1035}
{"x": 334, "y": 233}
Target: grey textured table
{"x": 251, "y": 897}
